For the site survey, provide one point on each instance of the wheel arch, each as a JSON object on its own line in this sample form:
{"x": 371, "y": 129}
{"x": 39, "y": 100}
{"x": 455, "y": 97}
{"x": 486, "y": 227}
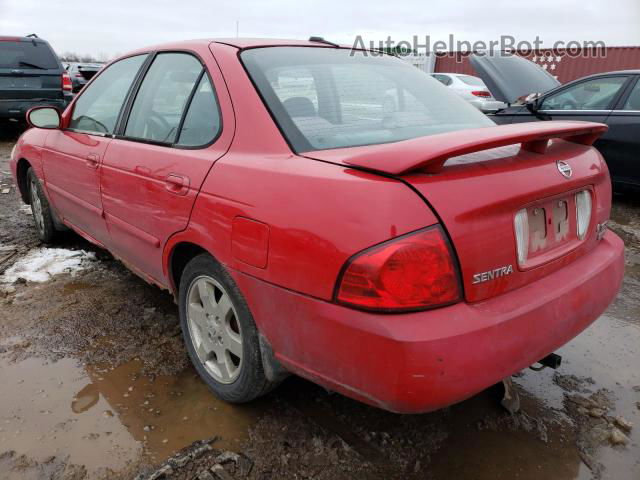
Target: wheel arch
{"x": 179, "y": 255}
{"x": 22, "y": 167}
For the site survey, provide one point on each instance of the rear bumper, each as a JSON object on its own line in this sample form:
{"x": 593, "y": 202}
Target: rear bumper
{"x": 17, "y": 109}
{"x": 423, "y": 361}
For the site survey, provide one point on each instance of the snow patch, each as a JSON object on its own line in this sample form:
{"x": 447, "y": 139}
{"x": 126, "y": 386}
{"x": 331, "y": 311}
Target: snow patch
{"x": 41, "y": 264}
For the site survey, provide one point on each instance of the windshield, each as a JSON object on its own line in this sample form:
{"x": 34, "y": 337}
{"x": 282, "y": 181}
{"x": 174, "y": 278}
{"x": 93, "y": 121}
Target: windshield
{"x": 329, "y": 98}
{"x": 23, "y": 55}
{"x": 469, "y": 80}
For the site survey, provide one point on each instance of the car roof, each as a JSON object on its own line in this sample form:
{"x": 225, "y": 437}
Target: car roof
{"x": 13, "y": 38}
{"x": 241, "y": 43}
{"x": 615, "y": 72}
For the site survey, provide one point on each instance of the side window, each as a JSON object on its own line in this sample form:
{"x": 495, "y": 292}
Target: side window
{"x": 633, "y": 102}
{"x": 202, "y": 121}
{"x": 97, "y": 109}
{"x": 162, "y": 97}
{"x": 595, "y": 94}
{"x": 443, "y": 79}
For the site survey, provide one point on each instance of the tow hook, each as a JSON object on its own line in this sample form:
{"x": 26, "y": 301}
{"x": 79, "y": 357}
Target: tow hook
{"x": 553, "y": 360}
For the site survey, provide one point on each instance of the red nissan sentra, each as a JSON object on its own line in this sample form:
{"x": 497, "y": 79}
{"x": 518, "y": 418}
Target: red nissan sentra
{"x": 333, "y": 213}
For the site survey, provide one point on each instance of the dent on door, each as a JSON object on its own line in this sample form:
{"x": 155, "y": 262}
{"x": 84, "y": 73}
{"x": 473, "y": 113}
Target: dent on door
{"x": 71, "y": 163}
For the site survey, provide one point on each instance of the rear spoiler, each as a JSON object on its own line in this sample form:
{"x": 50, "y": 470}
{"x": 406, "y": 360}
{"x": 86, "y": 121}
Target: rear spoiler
{"x": 430, "y": 153}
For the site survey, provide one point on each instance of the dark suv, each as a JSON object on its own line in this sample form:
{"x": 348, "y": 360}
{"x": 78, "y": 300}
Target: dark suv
{"x": 30, "y": 75}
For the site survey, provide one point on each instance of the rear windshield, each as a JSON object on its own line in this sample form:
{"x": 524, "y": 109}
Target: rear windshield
{"x": 469, "y": 80}
{"x": 24, "y": 55}
{"x": 329, "y": 98}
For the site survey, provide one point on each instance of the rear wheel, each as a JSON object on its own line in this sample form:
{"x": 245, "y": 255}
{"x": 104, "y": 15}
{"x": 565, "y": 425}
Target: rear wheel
{"x": 219, "y": 332}
{"x": 42, "y": 215}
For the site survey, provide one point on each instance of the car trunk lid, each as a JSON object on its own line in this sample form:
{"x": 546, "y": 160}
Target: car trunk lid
{"x": 478, "y": 180}
{"x": 510, "y": 77}
{"x": 87, "y": 72}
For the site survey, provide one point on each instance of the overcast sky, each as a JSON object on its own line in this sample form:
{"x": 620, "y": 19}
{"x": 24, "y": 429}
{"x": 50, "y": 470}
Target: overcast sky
{"x": 116, "y": 26}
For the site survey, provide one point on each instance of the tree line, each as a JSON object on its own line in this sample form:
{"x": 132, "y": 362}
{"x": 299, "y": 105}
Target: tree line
{"x": 84, "y": 58}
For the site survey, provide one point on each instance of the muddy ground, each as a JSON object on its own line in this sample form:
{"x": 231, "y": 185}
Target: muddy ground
{"x": 95, "y": 383}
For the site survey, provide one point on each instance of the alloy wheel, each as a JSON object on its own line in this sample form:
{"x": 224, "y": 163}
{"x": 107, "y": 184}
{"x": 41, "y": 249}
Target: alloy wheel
{"x": 214, "y": 329}
{"x": 36, "y": 207}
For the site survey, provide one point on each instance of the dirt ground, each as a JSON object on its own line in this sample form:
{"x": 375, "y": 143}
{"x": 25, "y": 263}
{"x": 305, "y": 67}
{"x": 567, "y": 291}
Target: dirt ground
{"x": 95, "y": 383}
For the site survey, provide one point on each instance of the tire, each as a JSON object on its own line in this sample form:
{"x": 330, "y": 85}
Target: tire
{"x": 213, "y": 317}
{"x": 42, "y": 214}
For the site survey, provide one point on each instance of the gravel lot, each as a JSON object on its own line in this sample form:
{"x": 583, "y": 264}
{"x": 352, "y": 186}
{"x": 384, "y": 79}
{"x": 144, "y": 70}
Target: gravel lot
{"x": 96, "y": 384}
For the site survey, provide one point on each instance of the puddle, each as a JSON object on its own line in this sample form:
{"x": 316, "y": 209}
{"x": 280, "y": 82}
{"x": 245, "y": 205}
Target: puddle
{"x": 37, "y": 418}
{"x": 111, "y": 418}
{"x": 608, "y": 353}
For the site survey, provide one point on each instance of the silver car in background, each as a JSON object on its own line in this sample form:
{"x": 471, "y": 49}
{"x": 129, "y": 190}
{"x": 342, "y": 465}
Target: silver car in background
{"x": 472, "y": 89}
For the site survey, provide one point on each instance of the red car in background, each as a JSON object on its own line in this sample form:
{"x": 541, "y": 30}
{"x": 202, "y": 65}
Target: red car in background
{"x": 406, "y": 256}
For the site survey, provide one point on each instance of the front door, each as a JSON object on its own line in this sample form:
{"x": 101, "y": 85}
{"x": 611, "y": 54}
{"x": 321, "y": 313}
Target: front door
{"x": 72, "y": 158}
{"x": 153, "y": 171}
{"x": 621, "y": 145}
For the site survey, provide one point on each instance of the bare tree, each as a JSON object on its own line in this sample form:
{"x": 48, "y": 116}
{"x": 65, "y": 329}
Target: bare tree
{"x": 84, "y": 58}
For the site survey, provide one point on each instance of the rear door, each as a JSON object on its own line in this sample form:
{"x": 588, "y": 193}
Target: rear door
{"x": 155, "y": 166}
{"x": 621, "y": 145}
{"x": 73, "y": 157}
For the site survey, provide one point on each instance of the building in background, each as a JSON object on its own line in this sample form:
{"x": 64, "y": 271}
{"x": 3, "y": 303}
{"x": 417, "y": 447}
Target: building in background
{"x": 423, "y": 61}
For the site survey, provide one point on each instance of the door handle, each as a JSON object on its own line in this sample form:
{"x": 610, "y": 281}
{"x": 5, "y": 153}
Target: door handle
{"x": 92, "y": 160}
{"x": 176, "y": 184}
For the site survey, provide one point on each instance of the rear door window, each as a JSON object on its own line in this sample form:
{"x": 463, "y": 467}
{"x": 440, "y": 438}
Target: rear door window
{"x": 633, "y": 102}
{"x": 98, "y": 107}
{"x": 26, "y": 55}
{"x": 202, "y": 122}
{"x": 163, "y": 95}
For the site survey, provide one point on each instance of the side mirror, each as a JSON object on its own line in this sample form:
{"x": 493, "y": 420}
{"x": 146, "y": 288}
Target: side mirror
{"x": 44, "y": 117}
{"x": 532, "y": 102}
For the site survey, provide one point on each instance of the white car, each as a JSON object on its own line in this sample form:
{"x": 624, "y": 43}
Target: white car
{"x": 472, "y": 89}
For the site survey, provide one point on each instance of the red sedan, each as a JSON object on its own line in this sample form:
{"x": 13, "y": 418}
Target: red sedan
{"x": 330, "y": 212}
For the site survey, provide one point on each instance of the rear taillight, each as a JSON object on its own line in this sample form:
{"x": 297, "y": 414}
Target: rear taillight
{"x": 481, "y": 93}
{"x": 583, "y": 212}
{"x": 521, "y": 224}
{"x": 412, "y": 272}
{"x": 67, "y": 86}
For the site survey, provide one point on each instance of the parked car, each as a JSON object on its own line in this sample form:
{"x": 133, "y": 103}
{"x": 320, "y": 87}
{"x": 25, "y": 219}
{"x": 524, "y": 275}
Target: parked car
{"x": 472, "y": 89}
{"x": 317, "y": 234}
{"x": 30, "y": 75}
{"x": 612, "y": 98}
{"x": 81, "y": 73}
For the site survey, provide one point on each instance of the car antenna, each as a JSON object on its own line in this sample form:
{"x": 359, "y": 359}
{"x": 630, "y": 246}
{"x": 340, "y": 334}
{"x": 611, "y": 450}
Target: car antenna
{"x": 322, "y": 40}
